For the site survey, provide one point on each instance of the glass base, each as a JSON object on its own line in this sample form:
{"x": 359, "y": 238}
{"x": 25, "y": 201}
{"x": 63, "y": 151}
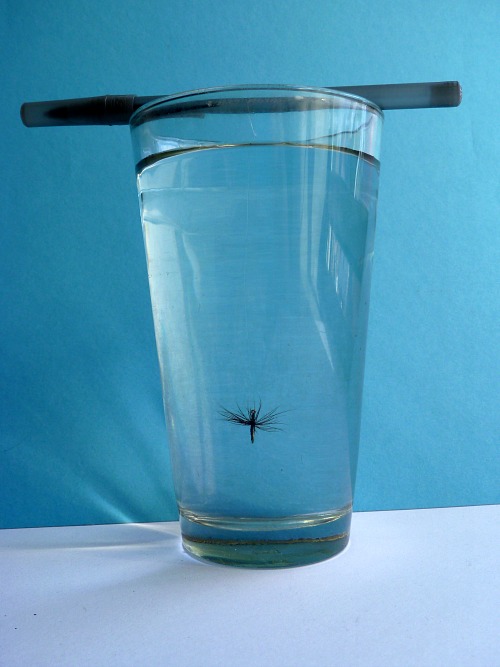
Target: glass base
{"x": 266, "y": 543}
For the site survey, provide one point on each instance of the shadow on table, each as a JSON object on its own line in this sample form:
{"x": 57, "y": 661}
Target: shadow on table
{"x": 113, "y": 537}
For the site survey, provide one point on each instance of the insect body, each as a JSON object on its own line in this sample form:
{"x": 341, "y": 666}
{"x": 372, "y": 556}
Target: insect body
{"x": 252, "y": 418}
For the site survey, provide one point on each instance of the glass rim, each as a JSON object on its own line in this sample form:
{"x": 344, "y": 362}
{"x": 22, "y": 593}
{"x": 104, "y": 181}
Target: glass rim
{"x": 283, "y": 88}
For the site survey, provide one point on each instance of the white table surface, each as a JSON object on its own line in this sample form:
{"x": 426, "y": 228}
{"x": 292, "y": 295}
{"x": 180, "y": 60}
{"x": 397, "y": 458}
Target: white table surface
{"x": 414, "y": 588}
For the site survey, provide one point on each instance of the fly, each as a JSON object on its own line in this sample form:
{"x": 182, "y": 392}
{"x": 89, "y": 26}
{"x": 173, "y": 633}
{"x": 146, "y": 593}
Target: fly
{"x": 252, "y": 418}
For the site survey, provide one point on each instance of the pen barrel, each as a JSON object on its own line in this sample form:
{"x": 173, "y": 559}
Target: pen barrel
{"x": 101, "y": 110}
{"x": 117, "y": 109}
{"x": 410, "y": 95}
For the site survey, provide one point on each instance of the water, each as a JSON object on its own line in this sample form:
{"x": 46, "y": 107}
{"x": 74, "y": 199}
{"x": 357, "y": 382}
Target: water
{"x": 259, "y": 262}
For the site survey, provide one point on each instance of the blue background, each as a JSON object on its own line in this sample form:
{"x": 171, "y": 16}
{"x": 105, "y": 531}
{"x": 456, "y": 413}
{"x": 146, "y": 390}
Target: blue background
{"x": 82, "y": 429}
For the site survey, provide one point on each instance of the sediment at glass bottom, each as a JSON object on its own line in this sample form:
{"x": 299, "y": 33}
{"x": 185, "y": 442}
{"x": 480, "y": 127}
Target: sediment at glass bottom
{"x": 269, "y": 543}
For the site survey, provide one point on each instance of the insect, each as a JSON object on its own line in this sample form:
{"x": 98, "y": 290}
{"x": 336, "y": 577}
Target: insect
{"x": 252, "y": 418}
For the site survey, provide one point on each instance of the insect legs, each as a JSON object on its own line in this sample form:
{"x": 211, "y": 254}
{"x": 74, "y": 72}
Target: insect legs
{"x": 252, "y": 418}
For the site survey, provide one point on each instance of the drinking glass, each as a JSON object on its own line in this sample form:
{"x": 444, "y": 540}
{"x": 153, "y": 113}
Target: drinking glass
{"x": 258, "y": 211}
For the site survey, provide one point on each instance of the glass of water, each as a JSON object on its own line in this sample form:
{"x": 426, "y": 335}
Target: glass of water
{"x": 258, "y": 211}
